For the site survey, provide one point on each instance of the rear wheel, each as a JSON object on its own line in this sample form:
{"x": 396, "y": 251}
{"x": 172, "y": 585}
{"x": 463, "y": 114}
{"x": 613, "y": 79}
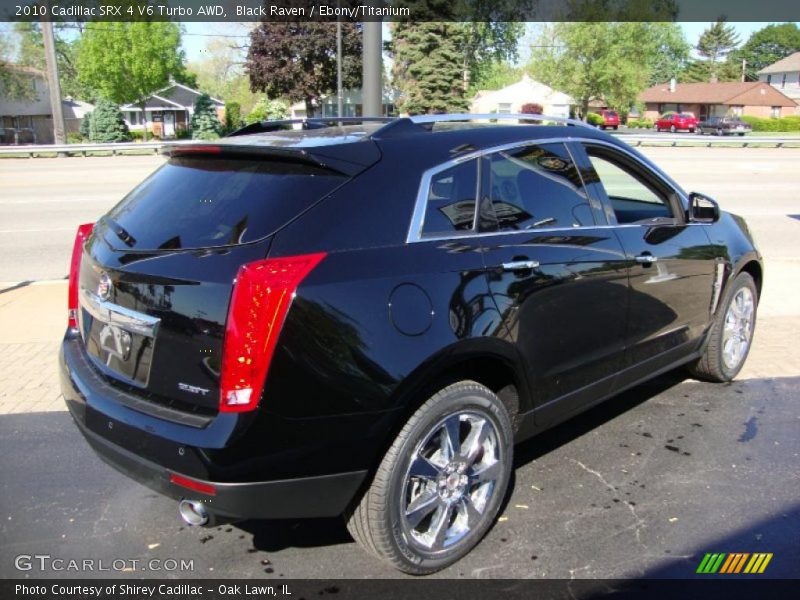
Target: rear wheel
{"x": 440, "y": 485}
{"x": 731, "y": 333}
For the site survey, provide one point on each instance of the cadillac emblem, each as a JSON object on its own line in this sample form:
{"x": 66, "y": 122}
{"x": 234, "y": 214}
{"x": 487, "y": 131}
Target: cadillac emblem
{"x": 104, "y": 287}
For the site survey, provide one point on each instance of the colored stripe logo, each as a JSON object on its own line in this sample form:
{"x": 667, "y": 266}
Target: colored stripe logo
{"x": 734, "y": 563}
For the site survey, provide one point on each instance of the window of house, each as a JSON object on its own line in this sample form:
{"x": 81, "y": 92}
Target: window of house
{"x": 504, "y": 108}
{"x": 769, "y": 78}
{"x": 633, "y": 199}
{"x": 535, "y": 187}
{"x": 775, "y": 112}
{"x": 736, "y": 111}
{"x": 450, "y": 206}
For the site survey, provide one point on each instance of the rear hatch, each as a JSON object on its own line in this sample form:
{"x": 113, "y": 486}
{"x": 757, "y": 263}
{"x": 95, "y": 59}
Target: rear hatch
{"x": 157, "y": 274}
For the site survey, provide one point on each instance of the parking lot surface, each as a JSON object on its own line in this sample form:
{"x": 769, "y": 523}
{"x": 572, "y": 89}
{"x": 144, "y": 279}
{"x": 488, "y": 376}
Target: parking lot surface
{"x": 642, "y": 486}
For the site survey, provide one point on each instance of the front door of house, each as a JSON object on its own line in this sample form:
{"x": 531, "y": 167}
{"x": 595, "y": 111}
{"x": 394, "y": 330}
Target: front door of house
{"x": 169, "y": 124}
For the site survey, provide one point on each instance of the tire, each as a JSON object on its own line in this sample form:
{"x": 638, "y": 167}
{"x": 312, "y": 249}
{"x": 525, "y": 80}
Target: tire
{"x": 723, "y": 357}
{"x": 719, "y": 132}
{"x": 691, "y": 131}
{"x": 740, "y": 134}
{"x": 444, "y": 490}
{"x": 616, "y": 127}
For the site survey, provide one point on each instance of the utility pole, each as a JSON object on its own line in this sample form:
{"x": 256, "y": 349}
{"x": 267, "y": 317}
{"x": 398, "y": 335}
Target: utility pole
{"x": 372, "y": 69}
{"x": 52, "y": 82}
{"x": 744, "y": 66}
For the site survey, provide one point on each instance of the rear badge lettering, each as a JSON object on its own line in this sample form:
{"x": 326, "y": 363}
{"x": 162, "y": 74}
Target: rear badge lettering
{"x": 192, "y": 389}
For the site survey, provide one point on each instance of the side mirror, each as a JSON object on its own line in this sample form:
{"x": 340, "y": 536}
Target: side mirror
{"x": 702, "y": 209}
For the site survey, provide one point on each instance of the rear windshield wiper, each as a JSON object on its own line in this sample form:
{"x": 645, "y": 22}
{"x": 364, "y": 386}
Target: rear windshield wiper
{"x": 120, "y": 232}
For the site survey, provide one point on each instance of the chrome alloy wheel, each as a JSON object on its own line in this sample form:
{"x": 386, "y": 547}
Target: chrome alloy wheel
{"x": 738, "y": 328}
{"x": 450, "y": 481}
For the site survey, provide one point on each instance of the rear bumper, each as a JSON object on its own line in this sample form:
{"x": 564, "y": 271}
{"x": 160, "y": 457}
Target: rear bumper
{"x": 116, "y": 443}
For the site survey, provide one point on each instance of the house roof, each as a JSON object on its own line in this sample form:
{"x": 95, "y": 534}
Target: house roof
{"x": 746, "y": 93}
{"x": 175, "y": 96}
{"x": 75, "y": 109}
{"x": 784, "y": 65}
{"x": 527, "y": 90}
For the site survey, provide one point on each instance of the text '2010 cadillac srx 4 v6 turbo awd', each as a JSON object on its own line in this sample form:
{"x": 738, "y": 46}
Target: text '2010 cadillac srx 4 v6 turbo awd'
{"x": 361, "y": 317}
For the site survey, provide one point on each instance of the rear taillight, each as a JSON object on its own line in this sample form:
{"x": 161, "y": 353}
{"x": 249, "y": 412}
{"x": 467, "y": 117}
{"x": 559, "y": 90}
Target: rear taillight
{"x": 262, "y": 294}
{"x": 84, "y": 231}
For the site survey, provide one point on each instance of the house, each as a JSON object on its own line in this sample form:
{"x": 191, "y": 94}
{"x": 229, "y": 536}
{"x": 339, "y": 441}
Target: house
{"x": 352, "y": 105}
{"x": 784, "y": 76}
{"x": 167, "y": 111}
{"x": 510, "y": 99}
{"x": 29, "y": 120}
{"x": 751, "y": 98}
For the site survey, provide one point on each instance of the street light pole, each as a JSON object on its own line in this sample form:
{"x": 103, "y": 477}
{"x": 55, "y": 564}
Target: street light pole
{"x": 339, "y": 91}
{"x": 372, "y": 70}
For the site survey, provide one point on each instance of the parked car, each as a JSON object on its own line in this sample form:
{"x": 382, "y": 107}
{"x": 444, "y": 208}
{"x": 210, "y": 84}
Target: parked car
{"x": 724, "y": 126}
{"x": 363, "y": 319}
{"x": 673, "y": 121}
{"x": 610, "y": 119}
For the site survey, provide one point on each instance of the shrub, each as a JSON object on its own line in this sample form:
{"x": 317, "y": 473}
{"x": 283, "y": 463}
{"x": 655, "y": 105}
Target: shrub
{"x": 783, "y": 124}
{"x": 106, "y": 123}
{"x": 86, "y": 124}
{"x": 74, "y": 137}
{"x": 594, "y": 119}
{"x": 233, "y": 116}
{"x": 205, "y": 124}
{"x": 267, "y": 110}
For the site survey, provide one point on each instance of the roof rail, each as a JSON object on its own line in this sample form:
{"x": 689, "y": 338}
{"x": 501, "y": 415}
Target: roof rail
{"x": 422, "y": 119}
{"x": 306, "y": 123}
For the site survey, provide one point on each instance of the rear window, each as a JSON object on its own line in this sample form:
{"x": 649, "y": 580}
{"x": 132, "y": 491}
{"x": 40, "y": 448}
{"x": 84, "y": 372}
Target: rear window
{"x": 201, "y": 202}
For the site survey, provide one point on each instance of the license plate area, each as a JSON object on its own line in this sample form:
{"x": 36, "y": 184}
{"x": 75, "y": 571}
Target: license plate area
{"x": 119, "y": 341}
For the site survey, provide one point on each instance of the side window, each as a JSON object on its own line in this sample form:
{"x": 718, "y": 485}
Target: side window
{"x": 451, "y": 200}
{"x": 632, "y": 199}
{"x": 536, "y": 187}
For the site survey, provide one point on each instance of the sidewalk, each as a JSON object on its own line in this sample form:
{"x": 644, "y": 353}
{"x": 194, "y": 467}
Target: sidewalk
{"x": 33, "y": 319}
{"x": 32, "y": 322}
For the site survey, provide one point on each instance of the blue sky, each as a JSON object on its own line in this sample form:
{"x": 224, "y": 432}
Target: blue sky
{"x": 197, "y": 34}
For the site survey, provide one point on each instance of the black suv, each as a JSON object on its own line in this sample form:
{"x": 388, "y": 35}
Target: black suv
{"x": 363, "y": 318}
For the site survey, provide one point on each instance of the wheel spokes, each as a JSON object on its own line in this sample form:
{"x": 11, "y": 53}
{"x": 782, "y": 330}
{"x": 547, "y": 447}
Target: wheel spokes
{"x": 423, "y": 468}
{"x": 421, "y": 507}
{"x": 484, "y": 473}
{"x": 440, "y": 525}
{"x": 475, "y": 439}
{"x": 451, "y": 438}
{"x": 472, "y": 514}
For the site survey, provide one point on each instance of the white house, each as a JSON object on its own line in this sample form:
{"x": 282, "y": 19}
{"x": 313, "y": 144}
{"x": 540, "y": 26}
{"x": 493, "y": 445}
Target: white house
{"x": 167, "y": 111}
{"x": 352, "y": 105}
{"x": 510, "y": 99}
{"x": 784, "y": 75}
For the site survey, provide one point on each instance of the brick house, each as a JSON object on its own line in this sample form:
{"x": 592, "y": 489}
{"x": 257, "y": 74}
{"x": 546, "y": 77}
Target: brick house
{"x": 755, "y": 99}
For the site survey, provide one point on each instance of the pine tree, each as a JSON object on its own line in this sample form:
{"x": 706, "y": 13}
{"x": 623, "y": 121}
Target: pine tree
{"x": 105, "y": 123}
{"x": 205, "y": 124}
{"x": 716, "y": 43}
{"x": 428, "y": 67}
{"x": 86, "y": 126}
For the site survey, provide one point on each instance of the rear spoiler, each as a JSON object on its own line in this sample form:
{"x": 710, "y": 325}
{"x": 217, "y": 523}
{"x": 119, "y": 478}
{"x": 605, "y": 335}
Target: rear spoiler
{"x": 346, "y": 159}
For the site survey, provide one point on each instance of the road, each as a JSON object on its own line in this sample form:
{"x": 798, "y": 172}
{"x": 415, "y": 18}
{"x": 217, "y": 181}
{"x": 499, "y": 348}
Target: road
{"x": 642, "y": 486}
{"x": 42, "y": 201}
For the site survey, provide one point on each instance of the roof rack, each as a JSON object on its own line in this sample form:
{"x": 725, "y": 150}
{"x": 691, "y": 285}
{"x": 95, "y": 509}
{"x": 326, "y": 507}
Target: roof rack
{"x": 421, "y": 119}
{"x": 306, "y": 123}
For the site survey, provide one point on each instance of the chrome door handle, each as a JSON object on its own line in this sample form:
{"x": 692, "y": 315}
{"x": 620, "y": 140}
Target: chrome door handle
{"x": 647, "y": 259}
{"x": 520, "y": 265}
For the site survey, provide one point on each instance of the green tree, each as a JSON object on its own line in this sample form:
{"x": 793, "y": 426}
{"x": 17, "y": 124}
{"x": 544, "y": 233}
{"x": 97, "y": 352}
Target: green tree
{"x": 222, "y": 75}
{"x": 106, "y": 123}
{"x": 494, "y": 76}
{"x": 205, "y": 123}
{"x": 298, "y": 60}
{"x": 767, "y": 46}
{"x": 428, "y": 67}
{"x": 268, "y": 110}
{"x": 86, "y": 126}
{"x": 484, "y": 44}
{"x": 609, "y": 61}
{"x": 126, "y": 62}
{"x": 715, "y": 44}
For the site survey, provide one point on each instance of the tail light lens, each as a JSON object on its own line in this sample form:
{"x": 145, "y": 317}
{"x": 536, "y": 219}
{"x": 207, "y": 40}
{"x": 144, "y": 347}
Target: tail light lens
{"x": 262, "y": 295}
{"x": 84, "y": 231}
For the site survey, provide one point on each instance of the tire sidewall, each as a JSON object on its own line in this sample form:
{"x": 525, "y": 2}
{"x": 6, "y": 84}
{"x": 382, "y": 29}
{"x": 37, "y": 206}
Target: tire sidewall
{"x": 742, "y": 280}
{"x": 471, "y": 400}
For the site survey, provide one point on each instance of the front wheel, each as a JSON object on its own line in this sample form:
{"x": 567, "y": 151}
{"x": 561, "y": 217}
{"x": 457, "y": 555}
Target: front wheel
{"x": 731, "y": 332}
{"x": 438, "y": 489}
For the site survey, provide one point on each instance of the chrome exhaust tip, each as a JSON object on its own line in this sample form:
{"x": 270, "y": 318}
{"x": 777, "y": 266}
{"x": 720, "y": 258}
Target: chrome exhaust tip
{"x": 193, "y": 512}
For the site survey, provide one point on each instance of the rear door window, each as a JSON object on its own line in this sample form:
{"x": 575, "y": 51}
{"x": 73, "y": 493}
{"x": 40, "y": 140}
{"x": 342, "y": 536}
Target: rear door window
{"x": 201, "y": 202}
{"x": 450, "y": 205}
{"x": 537, "y": 186}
